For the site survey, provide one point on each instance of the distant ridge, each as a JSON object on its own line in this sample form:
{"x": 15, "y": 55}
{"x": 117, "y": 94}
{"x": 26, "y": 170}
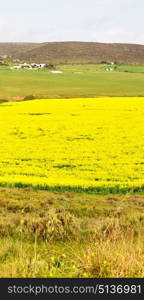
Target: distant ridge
{"x": 12, "y": 49}
{"x": 75, "y": 52}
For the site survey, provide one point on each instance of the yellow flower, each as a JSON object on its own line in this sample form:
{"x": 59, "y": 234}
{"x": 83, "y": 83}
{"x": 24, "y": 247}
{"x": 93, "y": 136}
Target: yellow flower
{"x": 78, "y": 143}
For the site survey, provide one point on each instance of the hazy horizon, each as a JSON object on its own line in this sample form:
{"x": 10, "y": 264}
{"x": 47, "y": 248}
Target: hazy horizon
{"x": 103, "y": 21}
{"x": 45, "y": 42}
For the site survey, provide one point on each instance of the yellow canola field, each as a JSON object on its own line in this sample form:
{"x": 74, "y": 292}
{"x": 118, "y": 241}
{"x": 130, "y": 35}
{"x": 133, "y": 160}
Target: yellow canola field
{"x": 94, "y": 144}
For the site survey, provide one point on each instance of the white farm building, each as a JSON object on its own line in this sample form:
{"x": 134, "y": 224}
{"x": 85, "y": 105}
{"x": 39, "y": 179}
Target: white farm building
{"x": 28, "y": 66}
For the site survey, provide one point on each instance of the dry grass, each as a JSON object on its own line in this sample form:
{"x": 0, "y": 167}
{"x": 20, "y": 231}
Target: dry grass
{"x": 118, "y": 255}
{"x": 45, "y": 234}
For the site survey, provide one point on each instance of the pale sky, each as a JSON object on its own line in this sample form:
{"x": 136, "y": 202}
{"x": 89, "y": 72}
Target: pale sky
{"x": 72, "y": 20}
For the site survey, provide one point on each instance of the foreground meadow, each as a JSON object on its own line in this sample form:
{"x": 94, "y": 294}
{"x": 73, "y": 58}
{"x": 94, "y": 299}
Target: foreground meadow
{"x": 46, "y": 234}
{"x": 92, "y": 145}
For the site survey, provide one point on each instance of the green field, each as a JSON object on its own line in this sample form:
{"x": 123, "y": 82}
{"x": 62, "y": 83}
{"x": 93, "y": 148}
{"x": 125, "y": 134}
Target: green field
{"x": 130, "y": 69}
{"x": 93, "y": 81}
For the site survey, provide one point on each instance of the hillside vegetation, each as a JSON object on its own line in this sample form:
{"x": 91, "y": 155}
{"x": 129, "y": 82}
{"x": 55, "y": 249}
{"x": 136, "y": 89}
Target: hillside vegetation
{"x": 13, "y": 49}
{"x": 75, "y": 52}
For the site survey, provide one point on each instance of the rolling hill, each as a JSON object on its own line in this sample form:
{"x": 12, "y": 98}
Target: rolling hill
{"x": 13, "y": 49}
{"x": 75, "y": 52}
